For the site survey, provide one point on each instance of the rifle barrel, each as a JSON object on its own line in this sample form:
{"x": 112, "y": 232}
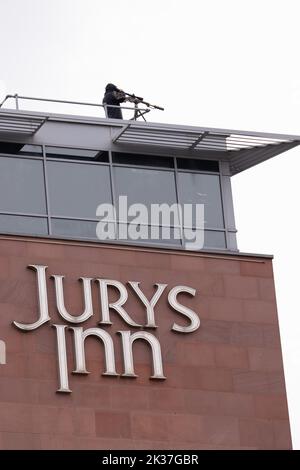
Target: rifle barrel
{"x": 144, "y": 102}
{"x": 133, "y": 96}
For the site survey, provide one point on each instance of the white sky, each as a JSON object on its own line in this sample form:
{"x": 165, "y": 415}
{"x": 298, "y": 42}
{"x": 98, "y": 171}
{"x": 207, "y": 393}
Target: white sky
{"x": 229, "y": 64}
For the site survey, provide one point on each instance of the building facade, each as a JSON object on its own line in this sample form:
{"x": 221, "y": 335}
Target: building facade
{"x": 131, "y": 343}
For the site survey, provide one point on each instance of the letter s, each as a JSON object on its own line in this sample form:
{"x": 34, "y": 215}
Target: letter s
{"x": 195, "y": 320}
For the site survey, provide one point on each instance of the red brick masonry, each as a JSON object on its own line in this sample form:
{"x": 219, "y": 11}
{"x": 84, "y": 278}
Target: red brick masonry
{"x": 225, "y": 383}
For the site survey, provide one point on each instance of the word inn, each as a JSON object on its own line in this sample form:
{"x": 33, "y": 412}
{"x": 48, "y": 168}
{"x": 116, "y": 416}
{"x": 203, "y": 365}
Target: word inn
{"x": 127, "y": 338}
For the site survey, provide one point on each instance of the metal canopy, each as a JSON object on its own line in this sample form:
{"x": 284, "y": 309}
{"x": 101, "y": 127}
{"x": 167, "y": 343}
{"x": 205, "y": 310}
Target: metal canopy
{"x": 241, "y": 148}
{"x": 16, "y": 123}
{"x": 170, "y": 137}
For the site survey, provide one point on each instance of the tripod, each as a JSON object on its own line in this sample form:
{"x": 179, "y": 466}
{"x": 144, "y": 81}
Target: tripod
{"x": 139, "y": 112}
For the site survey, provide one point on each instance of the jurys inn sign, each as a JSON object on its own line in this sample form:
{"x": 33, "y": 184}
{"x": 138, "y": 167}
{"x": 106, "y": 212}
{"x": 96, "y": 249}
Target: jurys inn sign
{"x": 127, "y": 337}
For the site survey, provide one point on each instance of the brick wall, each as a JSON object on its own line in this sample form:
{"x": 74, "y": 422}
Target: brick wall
{"x": 225, "y": 383}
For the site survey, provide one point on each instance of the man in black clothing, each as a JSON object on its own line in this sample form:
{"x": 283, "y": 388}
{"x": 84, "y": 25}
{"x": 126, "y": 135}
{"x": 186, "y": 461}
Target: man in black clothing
{"x": 113, "y": 97}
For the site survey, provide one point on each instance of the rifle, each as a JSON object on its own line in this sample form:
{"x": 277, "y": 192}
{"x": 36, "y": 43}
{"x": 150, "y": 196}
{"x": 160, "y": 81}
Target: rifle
{"x": 141, "y": 100}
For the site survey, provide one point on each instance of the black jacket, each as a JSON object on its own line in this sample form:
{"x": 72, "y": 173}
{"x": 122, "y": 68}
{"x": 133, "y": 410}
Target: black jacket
{"x": 113, "y": 97}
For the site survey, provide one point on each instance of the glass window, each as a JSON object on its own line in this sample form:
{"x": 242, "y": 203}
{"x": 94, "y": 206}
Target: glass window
{"x": 146, "y": 234}
{"x": 198, "y": 165}
{"x": 76, "y": 189}
{"x": 142, "y": 160}
{"x": 77, "y": 154}
{"x": 197, "y": 240}
{"x": 16, "y": 148}
{"x": 22, "y": 224}
{"x": 145, "y": 187}
{"x": 202, "y": 189}
{"x": 22, "y": 186}
{"x": 74, "y": 228}
{"x": 213, "y": 239}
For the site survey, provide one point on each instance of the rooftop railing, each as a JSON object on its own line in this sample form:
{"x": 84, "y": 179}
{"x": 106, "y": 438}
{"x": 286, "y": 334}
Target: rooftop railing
{"x": 17, "y": 102}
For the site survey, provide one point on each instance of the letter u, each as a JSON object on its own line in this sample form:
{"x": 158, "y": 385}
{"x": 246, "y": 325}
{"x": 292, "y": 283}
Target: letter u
{"x": 60, "y": 302}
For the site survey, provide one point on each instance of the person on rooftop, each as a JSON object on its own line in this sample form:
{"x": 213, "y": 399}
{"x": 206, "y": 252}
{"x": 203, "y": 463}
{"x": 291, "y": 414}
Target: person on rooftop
{"x": 113, "y": 97}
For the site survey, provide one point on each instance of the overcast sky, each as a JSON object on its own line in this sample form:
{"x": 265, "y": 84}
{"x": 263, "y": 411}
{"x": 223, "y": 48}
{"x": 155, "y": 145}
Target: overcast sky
{"x": 229, "y": 64}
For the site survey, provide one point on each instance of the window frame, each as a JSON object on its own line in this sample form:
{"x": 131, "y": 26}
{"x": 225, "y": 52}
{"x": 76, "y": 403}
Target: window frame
{"x": 229, "y": 231}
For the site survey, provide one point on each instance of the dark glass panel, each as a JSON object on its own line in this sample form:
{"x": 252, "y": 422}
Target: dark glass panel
{"x": 145, "y": 187}
{"x": 202, "y": 189}
{"x": 77, "y": 154}
{"x": 15, "y": 148}
{"x": 22, "y": 186}
{"x": 76, "y": 189}
{"x": 23, "y": 225}
{"x": 74, "y": 228}
{"x": 213, "y": 239}
{"x": 197, "y": 240}
{"x": 197, "y": 165}
{"x": 146, "y": 234}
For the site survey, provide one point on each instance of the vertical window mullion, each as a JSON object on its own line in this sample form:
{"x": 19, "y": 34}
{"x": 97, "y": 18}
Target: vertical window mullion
{"x": 223, "y": 208}
{"x": 46, "y": 191}
{"x": 113, "y": 192}
{"x": 178, "y": 201}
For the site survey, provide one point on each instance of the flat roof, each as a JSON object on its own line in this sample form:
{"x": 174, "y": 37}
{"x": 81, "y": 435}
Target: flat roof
{"x": 242, "y": 149}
